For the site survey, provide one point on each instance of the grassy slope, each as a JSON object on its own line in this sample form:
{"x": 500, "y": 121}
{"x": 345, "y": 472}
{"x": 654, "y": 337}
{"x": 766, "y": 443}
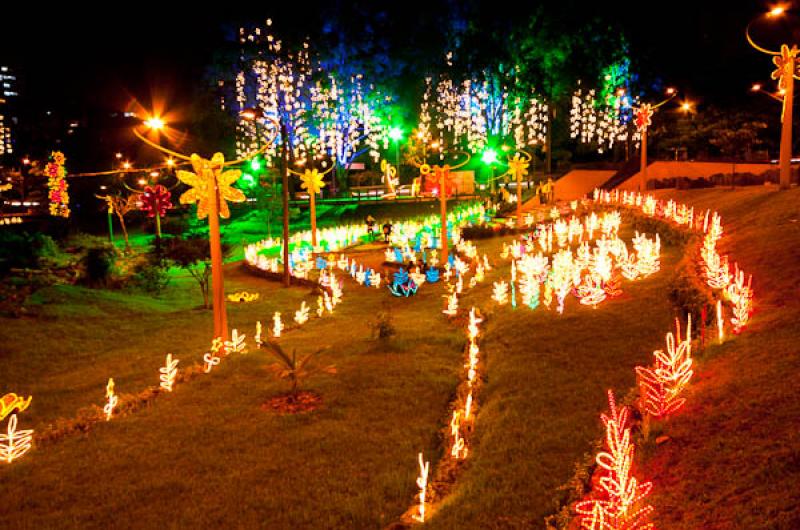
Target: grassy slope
{"x": 349, "y": 465}
{"x": 733, "y": 460}
{"x": 207, "y": 452}
{"x": 547, "y": 382}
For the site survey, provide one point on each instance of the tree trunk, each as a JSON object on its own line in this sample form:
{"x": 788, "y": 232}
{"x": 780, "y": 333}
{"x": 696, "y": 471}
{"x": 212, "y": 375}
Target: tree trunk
{"x": 285, "y": 195}
{"x": 124, "y": 230}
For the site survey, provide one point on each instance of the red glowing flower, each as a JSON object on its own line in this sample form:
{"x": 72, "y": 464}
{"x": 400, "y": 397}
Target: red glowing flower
{"x": 156, "y": 200}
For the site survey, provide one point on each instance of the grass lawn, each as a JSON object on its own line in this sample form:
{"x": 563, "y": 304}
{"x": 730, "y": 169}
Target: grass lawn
{"x": 207, "y": 455}
{"x": 733, "y": 460}
{"x": 547, "y": 381}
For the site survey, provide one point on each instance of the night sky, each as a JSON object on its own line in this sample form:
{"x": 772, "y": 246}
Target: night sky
{"x": 72, "y": 62}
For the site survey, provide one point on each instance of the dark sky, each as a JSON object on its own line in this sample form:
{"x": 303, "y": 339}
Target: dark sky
{"x": 74, "y": 57}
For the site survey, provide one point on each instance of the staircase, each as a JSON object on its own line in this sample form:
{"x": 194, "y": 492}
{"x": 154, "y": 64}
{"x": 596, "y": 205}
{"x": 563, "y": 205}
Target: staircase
{"x": 628, "y": 170}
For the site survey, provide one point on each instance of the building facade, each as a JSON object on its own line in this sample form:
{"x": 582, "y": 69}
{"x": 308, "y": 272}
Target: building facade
{"x": 8, "y": 95}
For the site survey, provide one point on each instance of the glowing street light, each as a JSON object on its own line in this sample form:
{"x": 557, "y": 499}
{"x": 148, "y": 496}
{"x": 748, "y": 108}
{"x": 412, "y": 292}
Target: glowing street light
{"x": 396, "y": 134}
{"x": 489, "y": 157}
{"x": 776, "y": 11}
{"x": 126, "y": 165}
{"x": 155, "y": 123}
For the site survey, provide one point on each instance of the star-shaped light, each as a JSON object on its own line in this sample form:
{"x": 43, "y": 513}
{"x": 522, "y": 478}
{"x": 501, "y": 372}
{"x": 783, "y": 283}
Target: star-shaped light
{"x": 312, "y": 181}
{"x": 201, "y": 184}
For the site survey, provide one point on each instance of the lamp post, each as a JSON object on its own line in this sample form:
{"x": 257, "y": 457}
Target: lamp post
{"x": 396, "y": 134}
{"x": 785, "y": 62}
{"x": 644, "y": 116}
{"x": 442, "y": 174}
{"x": 489, "y": 157}
{"x": 210, "y": 186}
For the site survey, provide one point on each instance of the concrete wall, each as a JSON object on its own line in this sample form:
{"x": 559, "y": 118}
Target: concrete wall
{"x": 579, "y": 182}
{"x": 693, "y": 170}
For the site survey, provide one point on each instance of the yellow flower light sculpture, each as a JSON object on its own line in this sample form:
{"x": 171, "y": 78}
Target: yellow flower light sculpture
{"x": 517, "y": 169}
{"x": 11, "y": 401}
{"x": 311, "y": 181}
{"x": 201, "y": 185}
{"x": 784, "y": 70}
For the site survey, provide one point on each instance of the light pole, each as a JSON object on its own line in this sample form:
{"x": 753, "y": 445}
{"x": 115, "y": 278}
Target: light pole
{"x": 644, "y": 117}
{"x": 396, "y": 134}
{"x": 210, "y": 186}
{"x": 785, "y": 62}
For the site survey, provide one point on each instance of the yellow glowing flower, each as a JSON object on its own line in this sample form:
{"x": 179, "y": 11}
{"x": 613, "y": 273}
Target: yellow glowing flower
{"x": 58, "y": 157}
{"x": 517, "y": 166}
{"x": 11, "y": 401}
{"x": 312, "y": 181}
{"x": 201, "y": 184}
{"x": 784, "y": 64}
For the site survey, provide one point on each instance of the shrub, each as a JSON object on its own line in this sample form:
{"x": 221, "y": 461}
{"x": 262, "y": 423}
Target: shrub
{"x": 383, "y": 326}
{"x": 484, "y": 231}
{"x": 688, "y": 291}
{"x": 99, "y": 264}
{"x": 151, "y": 278}
{"x": 193, "y": 255}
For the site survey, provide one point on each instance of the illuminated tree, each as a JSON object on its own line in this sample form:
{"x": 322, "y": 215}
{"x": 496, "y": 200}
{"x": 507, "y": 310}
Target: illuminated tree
{"x": 602, "y": 118}
{"x": 481, "y": 111}
{"x": 347, "y": 120}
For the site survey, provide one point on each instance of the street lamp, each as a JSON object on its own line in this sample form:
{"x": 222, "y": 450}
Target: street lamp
{"x": 155, "y": 123}
{"x": 644, "y": 115}
{"x": 785, "y": 62}
{"x": 396, "y": 134}
{"x": 489, "y": 157}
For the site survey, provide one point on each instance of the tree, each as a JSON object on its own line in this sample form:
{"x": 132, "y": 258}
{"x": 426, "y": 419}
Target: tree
{"x": 121, "y": 206}
{"x": 193, "y": 255}
{"x": 293, "y": 369}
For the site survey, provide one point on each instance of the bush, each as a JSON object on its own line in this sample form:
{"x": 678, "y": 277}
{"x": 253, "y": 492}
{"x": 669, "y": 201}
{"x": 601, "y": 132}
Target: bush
{"x": 99, "y": 264}
{"x": 383, "y": 326}
{"x": 151, "y": 278}
{"x": 669, "y": 234}
{"x": 688, "y": 291}
{"x": 485, "y": 231}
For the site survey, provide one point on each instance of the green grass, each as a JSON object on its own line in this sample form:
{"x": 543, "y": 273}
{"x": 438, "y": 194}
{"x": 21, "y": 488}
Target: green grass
{"x": 733, "y": 460}
{"x": 547, "y": 381}
{"x": 207, "y": 455}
